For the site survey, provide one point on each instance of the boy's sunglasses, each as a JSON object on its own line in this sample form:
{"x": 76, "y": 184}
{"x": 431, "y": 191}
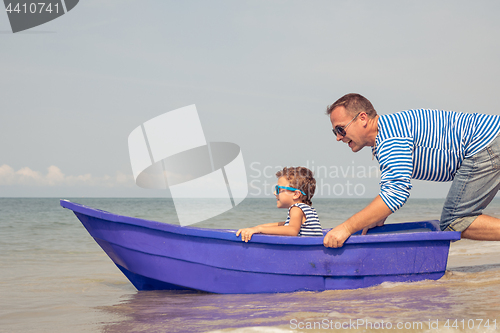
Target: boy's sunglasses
{"x": 340, "y": 130}
{"x": 277, "y": 189}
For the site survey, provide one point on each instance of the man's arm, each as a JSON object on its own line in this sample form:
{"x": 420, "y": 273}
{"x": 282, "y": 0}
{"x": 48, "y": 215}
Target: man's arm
{"x": 376, "y": 211}
{"x": 396, "y": 164}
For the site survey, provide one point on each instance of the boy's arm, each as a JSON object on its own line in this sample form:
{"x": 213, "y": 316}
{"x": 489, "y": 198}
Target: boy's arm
{"x": 276, "y": 228}
{"x": 272, "y": 224}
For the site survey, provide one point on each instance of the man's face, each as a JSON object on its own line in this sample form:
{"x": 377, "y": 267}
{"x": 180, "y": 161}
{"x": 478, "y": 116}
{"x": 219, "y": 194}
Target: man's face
{"x": 354, "y": 131}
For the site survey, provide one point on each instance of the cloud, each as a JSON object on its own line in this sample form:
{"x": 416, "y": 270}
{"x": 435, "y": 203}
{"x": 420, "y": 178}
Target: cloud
{"x": 55, "y": 177}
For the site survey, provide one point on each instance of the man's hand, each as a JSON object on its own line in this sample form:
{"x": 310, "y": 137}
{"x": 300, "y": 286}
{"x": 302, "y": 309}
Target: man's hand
{"x": 337, "y": 236}
{"x": 373, "y": 225}
{"x": 377, "y": 211}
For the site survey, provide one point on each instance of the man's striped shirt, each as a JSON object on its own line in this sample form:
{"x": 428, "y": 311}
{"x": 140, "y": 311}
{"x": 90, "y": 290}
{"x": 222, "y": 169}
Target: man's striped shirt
{"x": 427, "y": 145}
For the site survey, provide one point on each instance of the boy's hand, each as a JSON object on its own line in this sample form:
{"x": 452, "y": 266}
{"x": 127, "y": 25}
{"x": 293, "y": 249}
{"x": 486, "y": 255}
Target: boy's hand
{"x": 246, "y": 234}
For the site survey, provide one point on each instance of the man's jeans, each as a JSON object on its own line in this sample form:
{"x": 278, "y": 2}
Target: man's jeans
{"x": 476, "y": 183}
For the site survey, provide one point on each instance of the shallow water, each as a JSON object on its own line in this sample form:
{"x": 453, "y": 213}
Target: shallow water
{"x": 55, "y": 278}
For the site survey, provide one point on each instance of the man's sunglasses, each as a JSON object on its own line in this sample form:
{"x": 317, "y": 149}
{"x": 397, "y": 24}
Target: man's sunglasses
{"x": 340, "y": 130}
{"x": 277, "y": 189}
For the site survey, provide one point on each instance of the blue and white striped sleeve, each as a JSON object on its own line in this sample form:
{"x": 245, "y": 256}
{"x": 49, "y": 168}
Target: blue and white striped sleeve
{"x": 396, "y": 167}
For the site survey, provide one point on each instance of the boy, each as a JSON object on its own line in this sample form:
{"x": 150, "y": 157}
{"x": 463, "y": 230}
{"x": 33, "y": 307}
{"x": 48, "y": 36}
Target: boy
{"x": 295, "y": 189}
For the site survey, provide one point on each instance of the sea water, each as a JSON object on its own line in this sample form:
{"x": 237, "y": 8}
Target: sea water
{"x": 55, "y": 278}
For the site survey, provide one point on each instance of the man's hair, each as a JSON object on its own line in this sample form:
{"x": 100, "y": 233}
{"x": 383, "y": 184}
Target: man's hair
{"x": 302, "y": 179}
{"x": 354, "y": 104}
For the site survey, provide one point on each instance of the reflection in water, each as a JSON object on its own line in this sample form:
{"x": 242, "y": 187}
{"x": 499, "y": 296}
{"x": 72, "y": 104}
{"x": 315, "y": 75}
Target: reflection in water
{"x": 459, "y": 294}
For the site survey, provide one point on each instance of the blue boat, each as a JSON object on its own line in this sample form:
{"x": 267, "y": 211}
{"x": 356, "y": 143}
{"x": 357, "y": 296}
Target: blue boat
{"x": 155, "y": 256}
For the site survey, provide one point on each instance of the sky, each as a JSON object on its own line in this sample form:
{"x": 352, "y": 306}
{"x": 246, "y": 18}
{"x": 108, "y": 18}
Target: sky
{"x": 261, "y": 74}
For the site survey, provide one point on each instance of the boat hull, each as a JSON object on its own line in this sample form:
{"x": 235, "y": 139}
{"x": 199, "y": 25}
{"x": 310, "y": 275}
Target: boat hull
{"x": 155, "y": 256}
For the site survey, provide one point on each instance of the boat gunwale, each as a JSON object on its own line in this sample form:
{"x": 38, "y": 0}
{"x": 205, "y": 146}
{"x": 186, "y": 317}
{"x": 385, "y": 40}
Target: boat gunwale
{"x": 229, "y": 234}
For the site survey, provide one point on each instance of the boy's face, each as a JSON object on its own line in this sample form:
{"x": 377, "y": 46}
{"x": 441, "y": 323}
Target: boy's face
{"x": 285, "y": 198}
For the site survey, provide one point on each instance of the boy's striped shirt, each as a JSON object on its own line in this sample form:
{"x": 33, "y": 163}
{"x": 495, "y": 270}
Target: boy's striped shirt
{"x": 427, "y": 145}
{"x": 311, "y": 227}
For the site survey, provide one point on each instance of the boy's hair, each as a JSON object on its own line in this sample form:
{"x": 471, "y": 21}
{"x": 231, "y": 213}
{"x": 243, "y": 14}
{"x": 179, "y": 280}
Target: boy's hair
{"x": 302, "y": 179}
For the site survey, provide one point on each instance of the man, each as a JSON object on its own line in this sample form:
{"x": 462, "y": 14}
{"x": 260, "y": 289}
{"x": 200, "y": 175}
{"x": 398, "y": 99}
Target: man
{"x": 428, "y": 145}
